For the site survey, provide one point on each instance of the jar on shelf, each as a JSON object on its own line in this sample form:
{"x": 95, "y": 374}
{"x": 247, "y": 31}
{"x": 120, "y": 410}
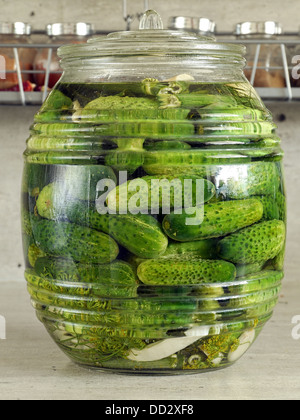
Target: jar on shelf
{"x": 153, "y": 204}
{"x": 267, "y": 57}
{"x": 17, "y": 62}
{"x": 198, "y": 25}
{"x": 58, "y": 34}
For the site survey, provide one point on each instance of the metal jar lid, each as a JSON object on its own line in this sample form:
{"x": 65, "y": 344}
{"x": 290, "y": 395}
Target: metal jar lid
{"x": 15, "y": 28}
{"x": 194, "y": 24}
{"x": 258, "y": 28}
{"x": 78, "y": 29}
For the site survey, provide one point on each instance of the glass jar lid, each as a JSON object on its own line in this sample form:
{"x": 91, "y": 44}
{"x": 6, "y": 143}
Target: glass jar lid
{"x": 152, "y": 39}
{"x": 194, "y": 24}
{"x": 258, "y": 28}
{"x": 152, "y": 52}
{"x": 78, "y": 29}
{"x": 15, "y": 28}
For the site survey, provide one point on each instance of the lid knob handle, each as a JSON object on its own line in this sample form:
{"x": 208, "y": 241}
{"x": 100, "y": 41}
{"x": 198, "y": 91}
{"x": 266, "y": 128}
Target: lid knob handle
{"x": 151, "y": 20}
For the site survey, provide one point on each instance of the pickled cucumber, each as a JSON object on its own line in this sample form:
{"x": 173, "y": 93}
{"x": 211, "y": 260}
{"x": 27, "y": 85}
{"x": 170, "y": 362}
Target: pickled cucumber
{"x": 219, "y": 219}
{"x": 80, "y": 243}
{"x": 254, "y": 244}
{"x": 258, "y": 178}
{"x": 172, "y": 272}
{"x": 118, "y": 271}
{"x": 140, "y": 234}
{"x": 54, "y": 108}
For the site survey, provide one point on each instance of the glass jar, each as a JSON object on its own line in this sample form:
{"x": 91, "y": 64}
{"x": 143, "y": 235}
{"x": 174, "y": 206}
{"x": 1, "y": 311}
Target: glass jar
{"x": 270, "y": 70}
{"x": 59, "y": 34}
{"x": 13, "y": 34}
{"x": 197, "y": 25}
{"x": 153, "y": 204}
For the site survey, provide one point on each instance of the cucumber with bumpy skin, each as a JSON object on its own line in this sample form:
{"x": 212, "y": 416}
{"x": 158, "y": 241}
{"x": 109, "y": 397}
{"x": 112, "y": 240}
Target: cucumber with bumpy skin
{"x": 220, "y": 219}
{"x": 172, "y": 272}
{"x": 74, "y": 182}
{"x": 257, "y": 178}
{"x": 271, "y": 210}
{"x": 194, "y": 161}
{"x": 254, "y": 244}
{"x": 80, "y": 243}
{"x": 140, "y": 234}
{"x": 196, "y": 250}
{"x": 254, "y": 282}
{"x": 118, "y": 271}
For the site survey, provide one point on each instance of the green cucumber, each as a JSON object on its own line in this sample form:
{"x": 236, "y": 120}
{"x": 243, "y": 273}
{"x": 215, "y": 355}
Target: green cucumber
{"x": 257, "y": 178}
{"x": 173, "y": 272}
{"x": 194, "y": 161}
{"x": 127, "y": 108}
{"x": 219, "y": 219}
{"x": 80, "y": 243}
{"x": 140, "y": 234}
{"x": 34, "y": 253}
{"x": 125, "y": 160}
{"x": 61, "y": 158}
{"x": 117, "y": 272}
{"x": 76, "y": 144}
{"x": 166, "y": 145}
{"x": 255, "y": 282}
{"x": 81, "y": 181}
{"x": 135, "y": 116}
{"x": 271, "y": 210}
{"x": 73, "y": 182}
{"x": 205, "y": 249}
{"x": 54, "y": 108}
{"x": 254, "y": 244}
{"x": 155, "y": 129}
{"x": 202, "y": 99}
{"x": 281, "y": 205}
{"x": 235, "y": 129}
{"x": 155, "y": 192}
